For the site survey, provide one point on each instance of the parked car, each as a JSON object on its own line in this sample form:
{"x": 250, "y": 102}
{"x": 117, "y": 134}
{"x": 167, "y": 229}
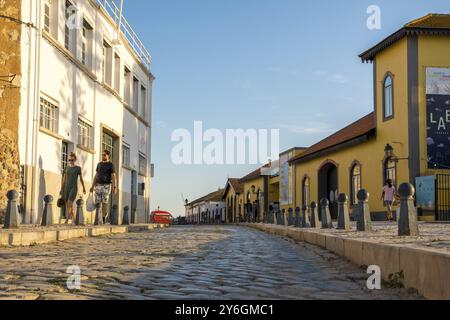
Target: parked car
{"x": 162, "y": 217}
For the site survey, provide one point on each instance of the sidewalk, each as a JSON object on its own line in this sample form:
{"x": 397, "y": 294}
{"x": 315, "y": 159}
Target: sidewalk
{"x": 424, "y": 260}
{"x": 29, "y": 236}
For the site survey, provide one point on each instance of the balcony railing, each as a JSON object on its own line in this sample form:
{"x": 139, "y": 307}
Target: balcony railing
{"x": 133, "y": 40}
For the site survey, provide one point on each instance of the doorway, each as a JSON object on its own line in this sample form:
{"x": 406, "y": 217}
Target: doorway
{"x": 328, "y": 187}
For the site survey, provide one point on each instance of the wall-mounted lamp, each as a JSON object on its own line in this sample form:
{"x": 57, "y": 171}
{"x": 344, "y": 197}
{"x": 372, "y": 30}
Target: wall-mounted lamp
{"x": 253, "y": 189}
{"x": 389, "y": 151}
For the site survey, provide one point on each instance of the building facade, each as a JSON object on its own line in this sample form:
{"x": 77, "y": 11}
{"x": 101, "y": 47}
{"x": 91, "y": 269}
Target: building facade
{"x": 86, "y": 87}
{"x": 209, "y": 209}
{"x": 406, "y": 137}
{"x": 234, "y": 201}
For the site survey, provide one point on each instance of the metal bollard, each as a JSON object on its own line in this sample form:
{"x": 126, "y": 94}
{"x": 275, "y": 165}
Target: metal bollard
{"x": 407, "y": 221}
{"x": 47, "y": 217}
{"x": 315, "y": 223}
{"x": 12, "y": 219}
{"x": 126, "y": 216}
{"x": 343, "y": 213}
{"x": 283, "y": 217}
{"x": 364, "y": 221}
{"x": 305, "y": 218}
{"x": 79, "y": 220}
{"x": 115, "y": 215}
{"x": 98, "y": 215}
{"x": 327, "y": 223}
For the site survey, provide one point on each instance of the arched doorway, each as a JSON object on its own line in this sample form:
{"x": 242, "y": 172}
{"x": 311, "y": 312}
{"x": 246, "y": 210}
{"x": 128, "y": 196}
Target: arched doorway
{"x": 328, "y": 186}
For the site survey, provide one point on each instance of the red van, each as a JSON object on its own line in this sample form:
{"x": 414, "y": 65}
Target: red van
{"x": 162, "y": 217}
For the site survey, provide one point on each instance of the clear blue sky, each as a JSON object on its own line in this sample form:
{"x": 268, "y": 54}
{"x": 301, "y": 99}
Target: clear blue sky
{"x": 288, "y": 64}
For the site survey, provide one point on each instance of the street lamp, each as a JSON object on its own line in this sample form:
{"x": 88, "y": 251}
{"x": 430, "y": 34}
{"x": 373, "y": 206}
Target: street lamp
{"x": 253, "y": 189}
{"x": 388, "y": 151}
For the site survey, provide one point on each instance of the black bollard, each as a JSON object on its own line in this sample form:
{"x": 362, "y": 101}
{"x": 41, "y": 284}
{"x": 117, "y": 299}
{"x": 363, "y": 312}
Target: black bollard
{"x": 115, "y": 215}
{"x": 283, "y": 217}
{"x": 12, "y": 219}
{"x": 305, "y": 218}
{"x": 343, "y": 213}
{"x": 290, "y": 217}
{"x": 315, "y": 223}
{"x": 364, "y": 220}
{"x": 407, "y": 221}
{"x": 298, "y": 218}
{"x": 79, "y": 220}
{"x": 98, "y": 215}
{"x": 47, "y": 217}
{"x": 326, "y": 216}
{"x": 126, "y": 216}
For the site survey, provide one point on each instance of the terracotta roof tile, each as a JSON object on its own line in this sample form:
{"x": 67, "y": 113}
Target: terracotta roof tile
{"x": 357, "y": 129}
{"x": 237, "y": 186}
{"x": 215, "y": 196}
{"x": 431, "y": 21}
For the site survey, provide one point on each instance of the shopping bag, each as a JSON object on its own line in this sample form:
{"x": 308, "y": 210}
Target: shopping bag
{"x": 90, "y": 204}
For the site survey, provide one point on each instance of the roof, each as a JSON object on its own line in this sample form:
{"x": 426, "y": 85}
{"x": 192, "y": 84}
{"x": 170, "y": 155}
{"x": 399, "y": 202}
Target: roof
{"x": 431, "y": 24}
{"x": 215, "y": 196}
{"x": 237, "y": 186}
{"x": 361, "y": 128}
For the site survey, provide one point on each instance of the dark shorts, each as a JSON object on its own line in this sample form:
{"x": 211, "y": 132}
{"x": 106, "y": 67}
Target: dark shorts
{"x": 388, "y": 203}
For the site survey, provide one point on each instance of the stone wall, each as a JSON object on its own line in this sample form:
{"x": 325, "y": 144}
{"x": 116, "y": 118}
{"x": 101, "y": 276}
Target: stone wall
{"x": 10, "y": 70}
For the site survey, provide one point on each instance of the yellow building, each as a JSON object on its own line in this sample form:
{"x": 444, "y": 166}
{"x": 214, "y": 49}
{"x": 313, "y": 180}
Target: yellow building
{"x": 407, "y": 135}
{"x": 233, "y": 197}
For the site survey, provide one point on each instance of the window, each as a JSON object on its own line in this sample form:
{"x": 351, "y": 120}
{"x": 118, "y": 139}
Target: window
{"x": 127, "y": 86}
{"x": 48, "y": 116}
{"x": 117, "y": 72}
{"x": 143, "y": 101}
{"x": 108, "y": 144}
{"x": 142, "y": 165}
{"x": 306, "y": 192}
{"x": 47, "y": 14}
{"x": 355, "y": 181}
{"x": 126, "y": 156}
{"x": 388, "y": 108}
{"x": 135, "y": 94}
{"x": 86, "y": 45}
{"x": 51, "y": 17}
{"x": 70, "y": 34}
{"x": 64, "y": 155}
{"x": 107, "y": 63}
{"x": 390, "y": 170}
{"x": 85, "y": 135}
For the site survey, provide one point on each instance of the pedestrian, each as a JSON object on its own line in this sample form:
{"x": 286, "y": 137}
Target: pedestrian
{"x": 69, "y": 186}
{"x": 105, "y": 182}
{"x": 388, "y": 196}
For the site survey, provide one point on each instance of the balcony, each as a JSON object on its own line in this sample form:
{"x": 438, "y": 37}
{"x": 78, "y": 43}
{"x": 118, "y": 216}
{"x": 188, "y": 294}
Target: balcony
{"x": 110, "y": 7}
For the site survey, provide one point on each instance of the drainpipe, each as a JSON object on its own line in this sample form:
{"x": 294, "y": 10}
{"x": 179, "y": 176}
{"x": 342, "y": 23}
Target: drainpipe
{"x": 37, "y": 68}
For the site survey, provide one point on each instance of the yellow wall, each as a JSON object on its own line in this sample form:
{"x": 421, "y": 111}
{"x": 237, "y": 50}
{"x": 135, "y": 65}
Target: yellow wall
{"x": 434, "y": 51}
{"x": 371, "y": 153}
{"x": 229, "y": 196}
{"x": 259, "y": 184}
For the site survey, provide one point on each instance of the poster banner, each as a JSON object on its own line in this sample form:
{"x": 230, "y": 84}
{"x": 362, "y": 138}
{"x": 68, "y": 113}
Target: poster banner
{"x": 426, "y": 192}
{"x": 284, "y": 181}
{"x": 438, "y": 118}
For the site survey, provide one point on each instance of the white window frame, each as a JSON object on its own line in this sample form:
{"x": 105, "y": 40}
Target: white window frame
{"x": 85, "y": 133}
{"x": 48, "y": 114}
{"x": 143, "y": 157}
{"x": 126, "y": 155}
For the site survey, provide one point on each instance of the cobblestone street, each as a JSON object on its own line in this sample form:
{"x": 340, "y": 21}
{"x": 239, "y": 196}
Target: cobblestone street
{"x": 185, "y": 263}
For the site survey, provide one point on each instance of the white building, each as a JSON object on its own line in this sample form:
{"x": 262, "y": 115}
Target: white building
{"x": 206, "y": 210}
{"x": 86, "y": 87}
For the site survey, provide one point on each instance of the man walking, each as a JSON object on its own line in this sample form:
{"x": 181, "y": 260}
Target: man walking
{"x": 104, "y": 182}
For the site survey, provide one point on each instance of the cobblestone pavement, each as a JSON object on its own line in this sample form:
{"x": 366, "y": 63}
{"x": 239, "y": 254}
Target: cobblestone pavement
{"x": 206, "y": 262}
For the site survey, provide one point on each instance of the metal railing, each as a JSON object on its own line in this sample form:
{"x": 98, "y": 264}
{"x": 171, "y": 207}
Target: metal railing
{"x": 443, "y": 197}
{"x": 133, "y": 40}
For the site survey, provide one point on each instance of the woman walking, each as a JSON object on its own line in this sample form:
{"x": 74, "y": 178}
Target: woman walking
{"x": 69, "y": 189}
{"x": 389, "y": 194}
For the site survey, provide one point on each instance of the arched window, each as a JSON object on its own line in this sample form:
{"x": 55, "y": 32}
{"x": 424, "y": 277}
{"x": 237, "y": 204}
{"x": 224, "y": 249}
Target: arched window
{"x": 390, "y": 170}
{"x": 355, "y": 180}
{"x": 306, "y": 192}
{"x": 388, "y": 108}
